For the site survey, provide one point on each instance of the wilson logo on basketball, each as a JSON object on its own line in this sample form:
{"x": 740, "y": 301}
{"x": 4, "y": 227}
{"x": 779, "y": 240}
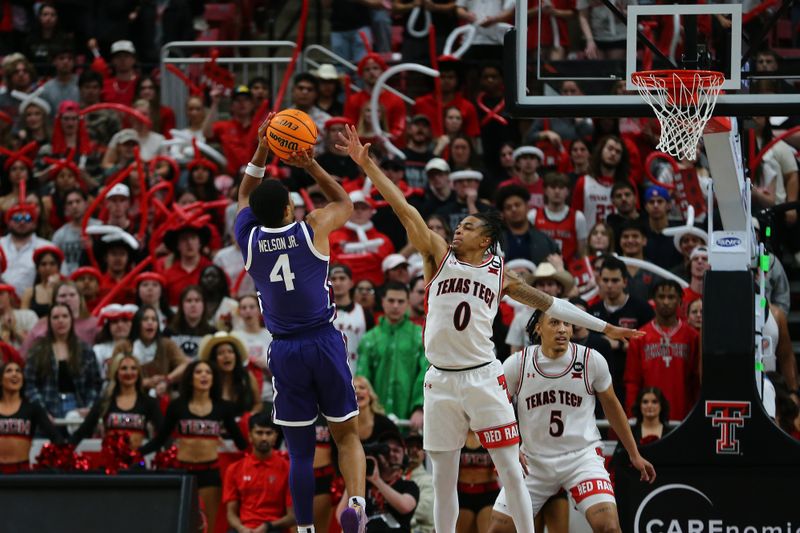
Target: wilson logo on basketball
{"x": 283, "y": 143}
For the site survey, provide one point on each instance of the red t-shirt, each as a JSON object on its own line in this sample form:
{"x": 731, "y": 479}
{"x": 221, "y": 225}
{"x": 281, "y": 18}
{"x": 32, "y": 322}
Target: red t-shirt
{"x": 669, "y": 361}
{"x": 364, "y": 263}
{"x": 178, "y": 278}
{"x": 117, "y": 91}
{"x": 237, "y": 143}
{"x": 260, "y": 487}
{"x": 426, "y": 105}
{"x": 126, "y": 295}
{"x": 394, "y": 106}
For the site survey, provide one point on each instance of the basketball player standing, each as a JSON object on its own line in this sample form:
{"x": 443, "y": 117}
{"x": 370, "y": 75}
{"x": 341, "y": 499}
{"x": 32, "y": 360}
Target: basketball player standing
{"x": 555, "y": 383}
{"x": 288, "y": 262}
{"x": 465, "y": 387}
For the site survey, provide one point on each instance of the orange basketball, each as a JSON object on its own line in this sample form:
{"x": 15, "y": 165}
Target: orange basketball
{"x": 291, "y": 130}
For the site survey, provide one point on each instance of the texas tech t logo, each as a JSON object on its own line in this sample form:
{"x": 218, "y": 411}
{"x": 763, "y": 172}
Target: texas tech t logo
{"x": 727, "y": 416}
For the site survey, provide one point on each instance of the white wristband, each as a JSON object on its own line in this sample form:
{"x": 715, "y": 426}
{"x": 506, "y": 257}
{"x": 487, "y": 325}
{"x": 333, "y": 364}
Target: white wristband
{"x": 254, "y": 171}
{"x": 563, "y": 310}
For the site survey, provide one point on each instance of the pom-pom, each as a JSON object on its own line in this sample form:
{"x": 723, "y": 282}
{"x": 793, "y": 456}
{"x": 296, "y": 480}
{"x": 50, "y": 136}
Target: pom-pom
{"x": 167, "y": 459}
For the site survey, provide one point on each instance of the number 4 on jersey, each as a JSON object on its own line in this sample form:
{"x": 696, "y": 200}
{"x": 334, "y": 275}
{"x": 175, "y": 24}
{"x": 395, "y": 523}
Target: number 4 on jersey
{"x": 283, "y": 272}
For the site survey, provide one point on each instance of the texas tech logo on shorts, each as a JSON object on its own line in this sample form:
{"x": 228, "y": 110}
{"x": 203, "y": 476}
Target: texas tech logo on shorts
{"x": 727, "y": 416}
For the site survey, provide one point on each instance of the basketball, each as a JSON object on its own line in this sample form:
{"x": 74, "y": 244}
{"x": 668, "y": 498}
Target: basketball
{"x": 291, "y": 130}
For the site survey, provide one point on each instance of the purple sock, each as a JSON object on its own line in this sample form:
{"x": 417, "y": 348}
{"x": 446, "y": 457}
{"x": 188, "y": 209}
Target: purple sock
{"x": 301, "y": 442}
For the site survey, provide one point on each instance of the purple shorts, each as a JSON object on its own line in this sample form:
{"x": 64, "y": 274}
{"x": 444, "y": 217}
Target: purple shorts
{"x": 310, "y": 375}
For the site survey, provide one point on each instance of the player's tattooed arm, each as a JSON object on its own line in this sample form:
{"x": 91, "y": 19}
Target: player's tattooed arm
{"x": 516, "y": 288}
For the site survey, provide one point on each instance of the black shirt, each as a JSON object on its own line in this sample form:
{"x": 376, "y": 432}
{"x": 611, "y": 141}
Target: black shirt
{"x": 415, "y": 167}
{"x": 454, "y": 212}
{"x": 377, "y": 506}
{"x": 144, "y": 411}
{"x": 29, "y": 418}
{"x": 348, "y": 15}
{"x": 532, "y": 245}
{"x": 65, "y": 382}
{"x": 338, "y": 165}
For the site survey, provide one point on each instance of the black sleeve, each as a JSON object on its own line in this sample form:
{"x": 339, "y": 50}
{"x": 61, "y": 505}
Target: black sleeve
{"x": 43, "y": 423}
{"x": 369, "y": 318}
{"x": 164, "y": 431}
{"x": 152, "y": 413}
{"x": 232, "y": 427}
{"x": 89, "y": 424}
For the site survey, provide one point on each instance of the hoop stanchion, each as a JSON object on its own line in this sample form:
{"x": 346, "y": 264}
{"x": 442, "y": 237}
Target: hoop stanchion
{"x": 683, "y": 101}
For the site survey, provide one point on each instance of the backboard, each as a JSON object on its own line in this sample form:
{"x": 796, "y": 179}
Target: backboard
{"x": 543, "y": 51}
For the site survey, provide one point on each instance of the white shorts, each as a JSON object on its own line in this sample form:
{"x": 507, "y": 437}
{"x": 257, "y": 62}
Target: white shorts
{"x": 457, "y": 401}
{"x": 582, "y": 474}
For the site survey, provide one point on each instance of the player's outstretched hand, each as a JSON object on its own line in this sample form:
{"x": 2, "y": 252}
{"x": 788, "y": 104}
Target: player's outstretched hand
{"x": 301, "y": 159}
{"x": 350, "y": 143}
{"x": 616, "y": 332}
{"x": 648, "y": 473}
{"x": 262, "y": 131}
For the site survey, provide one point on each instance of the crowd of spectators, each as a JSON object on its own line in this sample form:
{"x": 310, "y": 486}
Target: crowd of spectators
{"x": 116, "y": 298}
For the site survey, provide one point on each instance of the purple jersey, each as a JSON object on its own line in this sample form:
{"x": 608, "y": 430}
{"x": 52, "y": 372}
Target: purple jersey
{"x": 290, "y": 275}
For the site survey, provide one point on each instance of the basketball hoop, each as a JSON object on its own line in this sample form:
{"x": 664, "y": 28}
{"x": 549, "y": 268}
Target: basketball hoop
{"x": 683, "y": 101}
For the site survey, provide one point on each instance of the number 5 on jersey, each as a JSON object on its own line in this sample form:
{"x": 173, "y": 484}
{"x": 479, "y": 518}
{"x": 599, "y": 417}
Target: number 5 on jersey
{"x": 282, "y": 271}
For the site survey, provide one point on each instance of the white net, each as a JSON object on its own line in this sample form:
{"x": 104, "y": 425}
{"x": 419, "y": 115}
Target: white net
{"x": 683, "y": 102}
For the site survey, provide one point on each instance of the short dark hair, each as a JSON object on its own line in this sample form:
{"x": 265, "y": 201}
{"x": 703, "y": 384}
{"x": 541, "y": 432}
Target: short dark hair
{"x": 493, "y": 227}
{"x": 307, "y": 76}
{"x": 613, "y": 263}
{"x": 263, "y": 419}
{"x": 268, "y": 202}
{"x": 635, "y": 225}
{"x": 666, "y": 282}
{"x": 89, "y": 76}
{"x": 258, "y": 79}
{"x": 504, "y": 193}
{"x": 394, "y": 286}
{"x": 619, "y": 185}
{"x": 76, "y": 190}
{"x": 555, "y": 179}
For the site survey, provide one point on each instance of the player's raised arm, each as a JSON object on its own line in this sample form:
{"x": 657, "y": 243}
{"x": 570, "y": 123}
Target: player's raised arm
{"x": 424, "y": 240}
{"x": 254, "y": 172}
{"x": 517, "y": 289}
{"x": 339, "y": 207}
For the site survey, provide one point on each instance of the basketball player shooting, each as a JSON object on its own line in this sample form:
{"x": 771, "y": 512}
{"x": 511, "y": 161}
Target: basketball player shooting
{"x": 288, "y": 262}
{"x": 465, "y": 387}
{"x": 555, "y": 383}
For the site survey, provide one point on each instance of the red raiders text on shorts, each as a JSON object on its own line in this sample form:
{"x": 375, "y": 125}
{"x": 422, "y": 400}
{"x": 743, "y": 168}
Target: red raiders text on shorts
{"x": 591, "y": 487}
{"x": 500, "y": 436}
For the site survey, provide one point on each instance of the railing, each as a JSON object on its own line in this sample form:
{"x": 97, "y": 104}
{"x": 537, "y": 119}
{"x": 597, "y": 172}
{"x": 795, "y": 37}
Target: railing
{"x": 175, "y": 93}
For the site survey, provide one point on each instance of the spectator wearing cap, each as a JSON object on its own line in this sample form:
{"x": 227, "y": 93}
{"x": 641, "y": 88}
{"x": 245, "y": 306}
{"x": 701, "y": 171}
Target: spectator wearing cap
{"x": 370, "y": 68}
{"x": 465, "y": 185}
{"x": 521, "y": 239}
{"x": 186, "y": 244}
{"x": 439, "y": 189}
{"x": 336, "y": 162}
{"x": 698, "y": 265}
{"x": 395, "y": 269}
{"x": 685, "y": 242}
{"x": 14, "y": 323}
{"x": 392, "y": 357}
{"x": 234, "y": 134}
{"x": 351, "y": 319}
{"x": 120, "y": 88}
{"x": 304, "y": 98}
{"x": 70, "y": 133}
{"x": 632, "y": 242}
{"x": 69, "y": 237}
{"x": 151, "y": 289}
{"x": 624, "y": 202}
{"x": 19, "y": 244}
{"x": 103, "y": 124}
{"x": 450, "y": 80}
{"x": 33, "y": 121}
{"x": 527, "y": 160}
{"x": 359, "y": 245}
{"x": 418, "y": 150}
{"x": 64, "y": 86}
{"x": 118, "y": 206}
{"x": 39, "y": 297}
{"x": 87, "y": 281}
{"x": 115, "y": 322}
{"x": 558, "y": 221}
{"x": 329, "y": 88}
{"x": 227, "y": 354}
{"x": 115, "y": 250}
{"x": 546, "y": 278}
{"x": 120, "y": 151}
{"x": 660, "y": 248}
{"x": 256, "y": 488}
{"x": 348, "y": 20}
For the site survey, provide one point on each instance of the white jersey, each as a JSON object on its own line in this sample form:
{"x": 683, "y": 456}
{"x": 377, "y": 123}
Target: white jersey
{"x": 353, "y": 324}
{"x": 555, "y": 398}
{"x": 597, "y": 203}
{"x": 462, "y": 302}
